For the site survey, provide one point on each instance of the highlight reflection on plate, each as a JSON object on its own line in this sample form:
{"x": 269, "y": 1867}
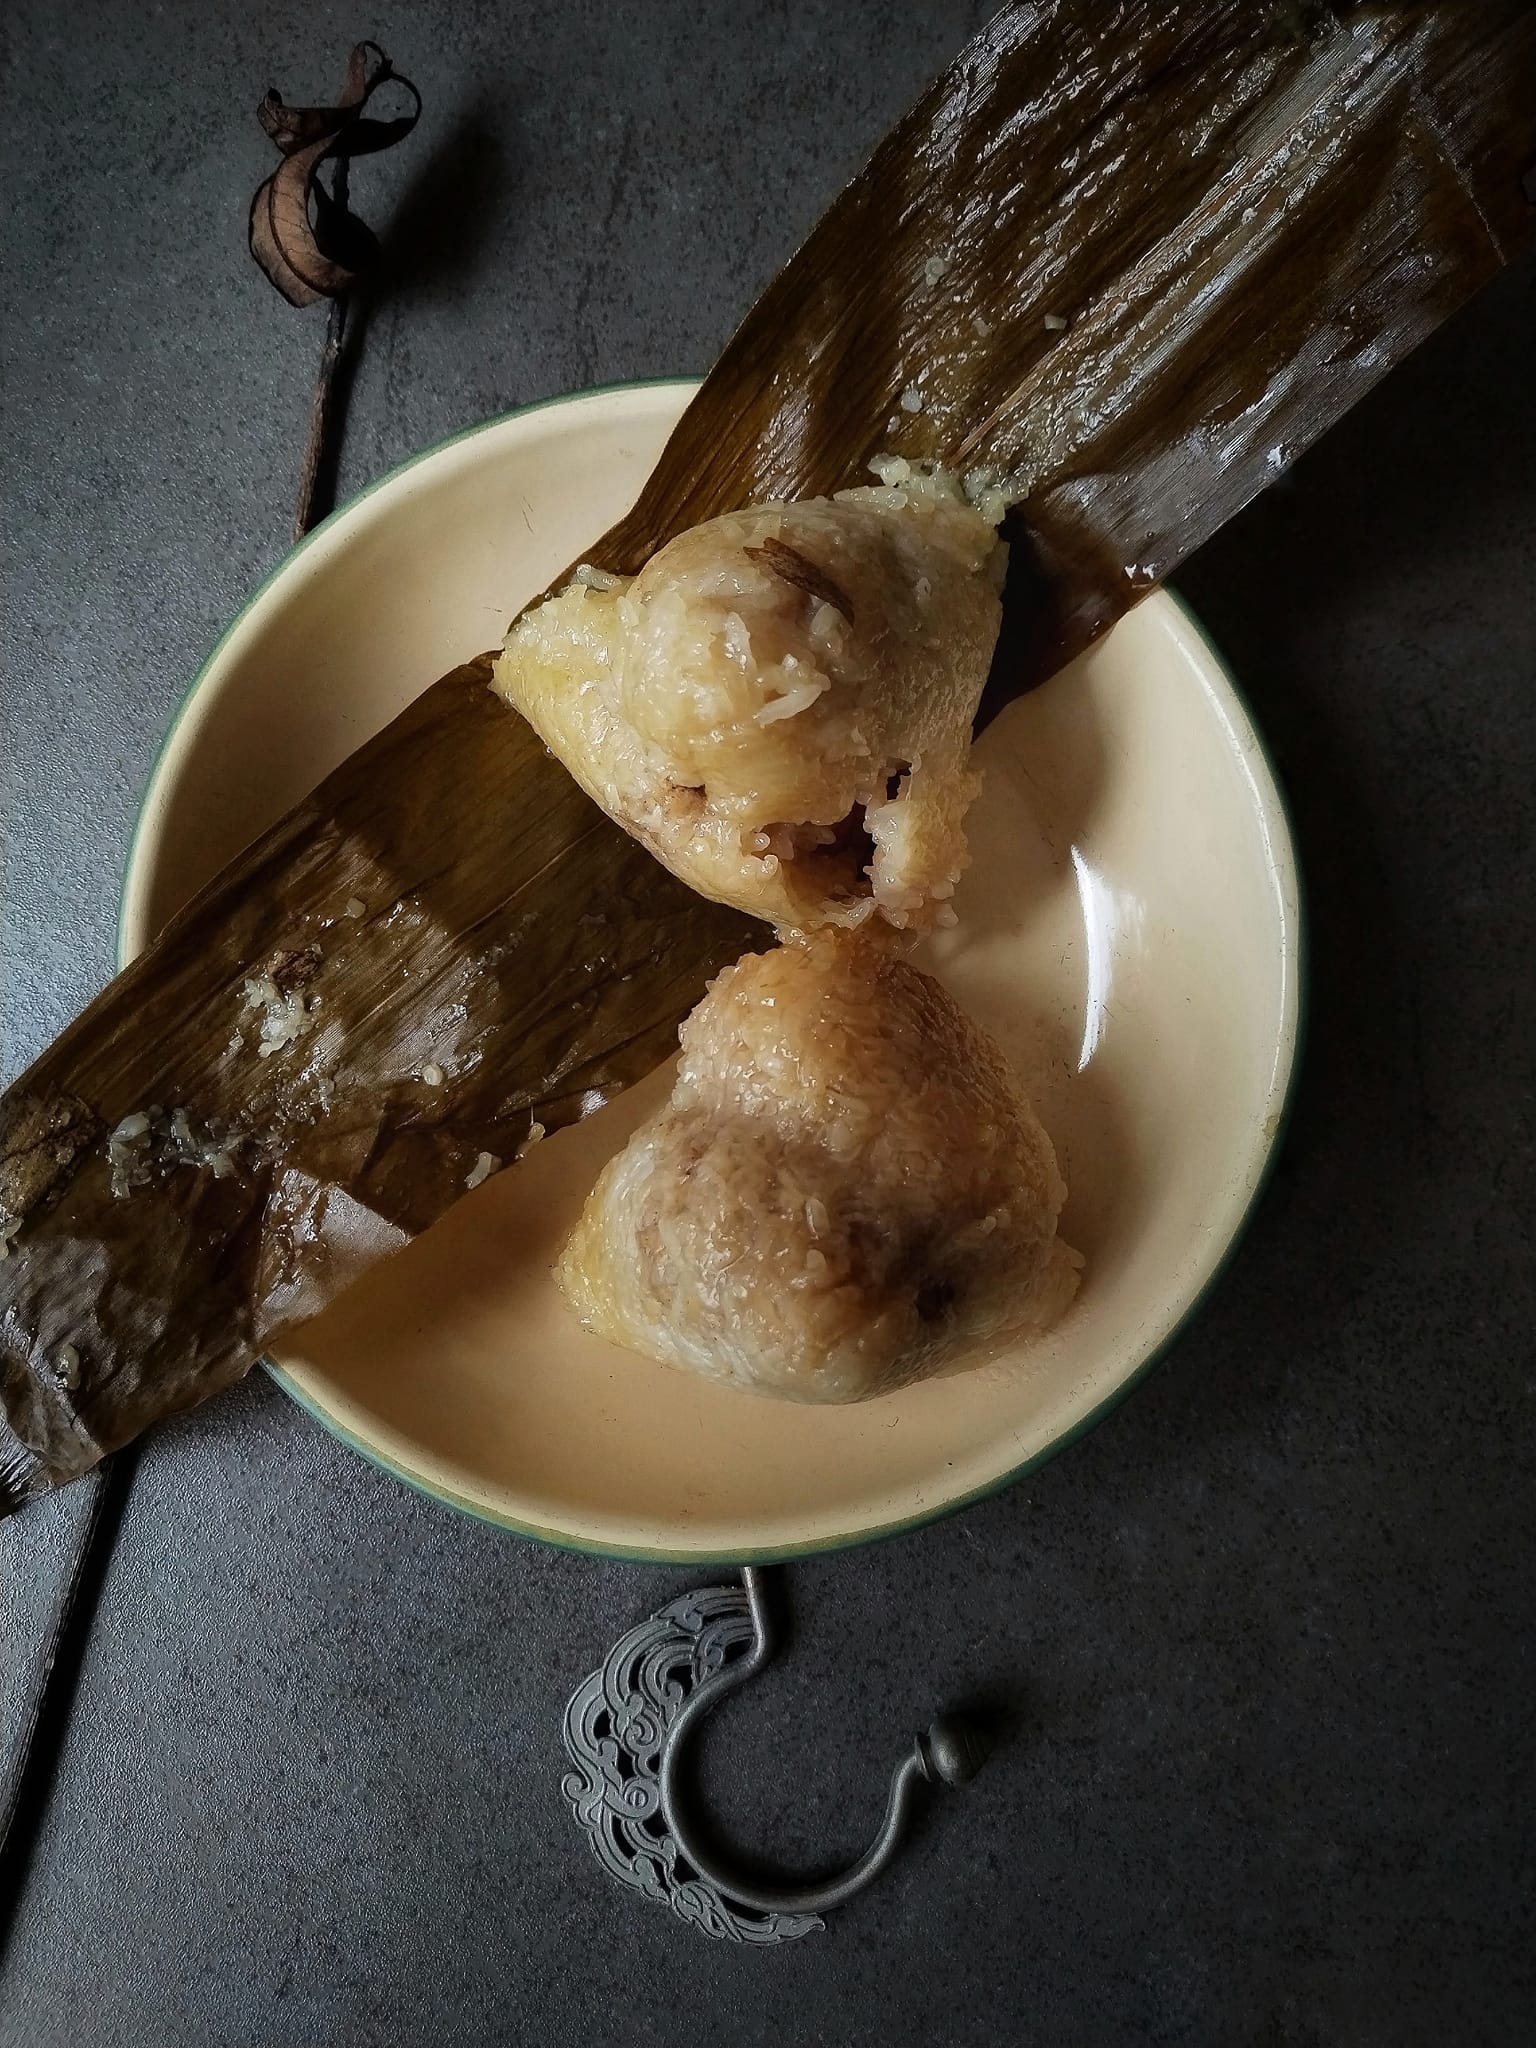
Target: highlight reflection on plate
{"x": 1128, "y": 929}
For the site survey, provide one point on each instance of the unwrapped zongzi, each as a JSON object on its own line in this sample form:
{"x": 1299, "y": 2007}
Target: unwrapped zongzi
{"x": 779, "y": 705}
{"x": 847, "y": 1189}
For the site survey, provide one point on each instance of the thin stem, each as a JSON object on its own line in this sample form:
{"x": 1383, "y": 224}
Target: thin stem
{"x": 320, "y": 415}
{"x": 315, "y": 447}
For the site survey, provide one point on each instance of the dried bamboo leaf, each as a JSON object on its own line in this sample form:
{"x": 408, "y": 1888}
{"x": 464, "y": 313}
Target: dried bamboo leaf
{"x": 516, "y": 959}
{"x": 1132, "y": 256}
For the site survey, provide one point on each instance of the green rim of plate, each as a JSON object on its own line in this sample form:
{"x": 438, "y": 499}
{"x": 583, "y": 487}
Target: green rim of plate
{"x": 448, "y": 1496}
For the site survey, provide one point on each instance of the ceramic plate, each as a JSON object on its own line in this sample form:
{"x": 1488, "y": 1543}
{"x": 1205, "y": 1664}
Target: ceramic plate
{"x": 1129, "y": 929}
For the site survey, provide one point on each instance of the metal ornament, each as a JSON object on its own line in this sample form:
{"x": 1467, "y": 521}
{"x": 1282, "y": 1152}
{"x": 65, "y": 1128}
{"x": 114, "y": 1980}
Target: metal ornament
{"x": 615, "y": 1729}
{"x": 626, "y": 1731}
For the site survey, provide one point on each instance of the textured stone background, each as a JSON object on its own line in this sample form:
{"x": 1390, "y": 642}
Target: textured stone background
{"x": 1267, "y": 1632}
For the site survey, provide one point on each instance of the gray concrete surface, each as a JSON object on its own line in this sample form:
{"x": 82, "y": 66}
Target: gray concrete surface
{"x": 1266, "y": 1634}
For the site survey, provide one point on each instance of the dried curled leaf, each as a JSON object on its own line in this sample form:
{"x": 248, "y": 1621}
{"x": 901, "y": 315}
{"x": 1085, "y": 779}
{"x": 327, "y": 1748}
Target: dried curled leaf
{"x": 306, "y": 239}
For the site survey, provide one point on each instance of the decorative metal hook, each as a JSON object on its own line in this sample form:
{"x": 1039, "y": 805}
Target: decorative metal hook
{"x": 627, "y": 1730}
{"x": 951, "y": 1753}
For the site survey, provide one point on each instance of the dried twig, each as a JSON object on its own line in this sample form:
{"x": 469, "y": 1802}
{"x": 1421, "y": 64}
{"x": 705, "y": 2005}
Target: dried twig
{"x": 305, "y": 236}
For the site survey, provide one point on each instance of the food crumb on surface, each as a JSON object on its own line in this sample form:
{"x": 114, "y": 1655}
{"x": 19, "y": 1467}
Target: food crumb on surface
{"x": 911, "y": 400}
{"x": 935, "y": 268}
{"x": 982, "y": 325}
{"x": 150, "y": 1143}
{"x": 66, "y": 1363}
{"x": 127, "y": 1153}
{"x": 282, "y": 1014}
{"x": 432, "y": 1074}
{"x": 356, "y": 907}
{"x": 535, "y": 1133}
{"x": 485, "y": 1165}
{"x": 1054, "y": 323}
{"x": 983, "y": 488}
{"x": 593, "y": 578}
{"x": 186, "y": 1148}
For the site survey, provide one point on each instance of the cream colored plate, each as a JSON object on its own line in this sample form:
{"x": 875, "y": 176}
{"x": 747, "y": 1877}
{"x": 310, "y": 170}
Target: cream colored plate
{"x": 1129, "y": 929}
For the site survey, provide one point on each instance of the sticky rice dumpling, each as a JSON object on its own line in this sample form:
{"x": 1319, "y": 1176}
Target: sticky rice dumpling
{"x": 779, "y": 705}
{"x": 847, "y": 1190}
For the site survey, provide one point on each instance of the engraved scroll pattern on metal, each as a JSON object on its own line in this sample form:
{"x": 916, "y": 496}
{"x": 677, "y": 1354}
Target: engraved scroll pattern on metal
{"x": 614, "y": 1729}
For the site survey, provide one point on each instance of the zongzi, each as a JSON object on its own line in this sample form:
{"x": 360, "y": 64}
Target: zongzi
{"x": 779, "y": 704}
{"x": 847, "y": 1189}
